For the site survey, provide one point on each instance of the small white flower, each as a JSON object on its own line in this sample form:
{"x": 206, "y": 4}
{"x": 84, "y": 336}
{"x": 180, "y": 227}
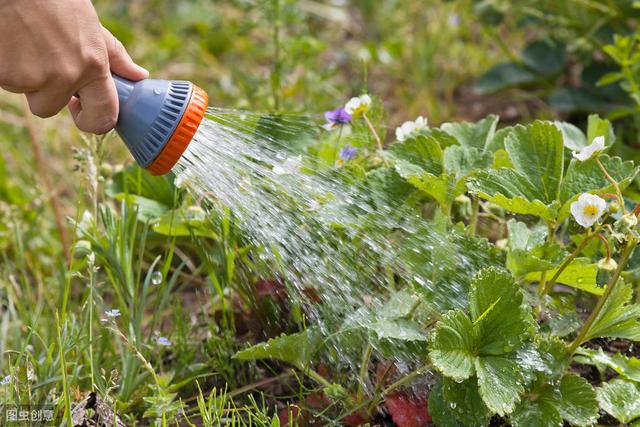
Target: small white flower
{"x": 588, "y": 209}
{"x": 596, "y": 146}
{"x": 607, "y": 264}
{"x": 112, "y": 314}
{"x": 358, "y": 105}
{"x": 409, "y": 129}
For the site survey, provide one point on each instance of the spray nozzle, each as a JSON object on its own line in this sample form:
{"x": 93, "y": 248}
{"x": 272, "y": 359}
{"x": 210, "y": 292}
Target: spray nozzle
{"x": 158, "y": 119}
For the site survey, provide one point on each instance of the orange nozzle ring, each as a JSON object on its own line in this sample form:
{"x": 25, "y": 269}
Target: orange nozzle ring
{"x": 182, "y": 136}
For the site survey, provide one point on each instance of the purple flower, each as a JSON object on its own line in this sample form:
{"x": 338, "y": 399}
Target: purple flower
{"x": 348, "y": 153}
{"x": 336, "y": 118}
{"x": 163, "y": 341}
{"x": 6, "y": 380}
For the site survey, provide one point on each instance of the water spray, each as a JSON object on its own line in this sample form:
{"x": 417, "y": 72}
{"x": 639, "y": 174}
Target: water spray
{"x": 158, "y": 119}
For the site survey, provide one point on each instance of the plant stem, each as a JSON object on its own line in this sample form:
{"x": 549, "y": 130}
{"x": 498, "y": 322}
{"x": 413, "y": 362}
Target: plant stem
{"x": 614, "y": 183}
{"x": 551, "y": 232}
{"x": 407, "y": 378}
{"x": 549, "y": 285}
{"x": 364, "y": 370}
{"x": 63, "y": 371}
{"x": 473, "y": 222}
{"x": 316, "y": 377}
{"x": 373, "y": 131}
{"x": 613, "y": 281}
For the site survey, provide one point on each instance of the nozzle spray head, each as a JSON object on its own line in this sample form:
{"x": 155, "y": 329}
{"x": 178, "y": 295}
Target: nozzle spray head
{"x": 158, "y": 119}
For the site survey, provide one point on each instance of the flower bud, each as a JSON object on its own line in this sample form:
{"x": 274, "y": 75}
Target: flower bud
{"x": 502, "y": 244}
{"x": 614, "y": 207}
{"x": 607, "y": 264}
{"x": 462, "y": 205}
{"x": 106, "y": 169}
{"x": 630, "y": 220}
{"x": 82, "y": 248}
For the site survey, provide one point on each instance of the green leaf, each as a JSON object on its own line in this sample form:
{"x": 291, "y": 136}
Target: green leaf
{"x": 386, "y": 188}
{"x": 573, "y": 400}
{"x": 465, "y": 401}
{"x": 538, "y": 412}
{"x": 500, "y": 383}
{"x": 532, "y": 187}
{"x": 146, "y": 209}
{"x": 501, "y": 159}
{"x": 444, "y": 188}
{"x": 422, "y": 151}
{"x": 588, "y": 177}
{"x": 521, "y": 237}
{"x": 452, "y": 345}
{"x": 578, "y": 403}
{"x": 509, "y": 189}
{"x": 619, "y": 318}
{"x": 495, "y": 305}
{"x": 621, "y": 399}
{"x": 398, "y": 329}
{"x": 529, "y": 251}
{"x": 497, "y": 142}
{"x": 178, "y": 223}
{"x": 401, "y": 304}
{"x": 473, "y": 135}
{"x": 600, "y": 127}
{"x": 537, "y": 153}
{"x": 626, "y": 367}
{"x": 440, "y": 409}
{"x": 461, "y": 161}
{"x": 138, "y": 181}
{"x": 572, "y": 137}
{"x": 298, "y": 349}
{"x": 579, "y": 274}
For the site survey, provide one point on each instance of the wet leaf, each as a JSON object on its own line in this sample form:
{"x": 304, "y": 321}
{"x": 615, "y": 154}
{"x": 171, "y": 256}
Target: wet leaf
{"x": 298, "y": 349}
{"x": 578, "y": 403}
{"x": 477, "y": 135}
{"x": 619, "y": 317}
{"x": 621, "y": 399}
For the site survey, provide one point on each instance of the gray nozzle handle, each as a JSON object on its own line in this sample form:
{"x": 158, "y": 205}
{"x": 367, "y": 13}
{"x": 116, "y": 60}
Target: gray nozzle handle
{"x": 150, "y": 111}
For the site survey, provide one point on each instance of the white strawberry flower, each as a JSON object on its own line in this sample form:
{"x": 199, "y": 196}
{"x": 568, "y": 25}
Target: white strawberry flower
{"x": 588, "y": 209}
{"x": 409, "y": 129}
{"x": 358, "y": 105}
{"x": 596, "y": 146}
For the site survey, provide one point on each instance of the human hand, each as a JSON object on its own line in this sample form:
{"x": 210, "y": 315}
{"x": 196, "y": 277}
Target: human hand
{"x": 52, "y": 50}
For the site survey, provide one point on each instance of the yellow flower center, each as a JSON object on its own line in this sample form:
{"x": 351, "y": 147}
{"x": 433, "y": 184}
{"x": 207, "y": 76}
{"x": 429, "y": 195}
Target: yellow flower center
{"x": 360, "y": 110}
{"x": 590, "y": 210}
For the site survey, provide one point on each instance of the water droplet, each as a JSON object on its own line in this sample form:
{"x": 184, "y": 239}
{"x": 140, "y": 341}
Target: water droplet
{"x": 156, "y": 278}
{"x": 156, "y": 91}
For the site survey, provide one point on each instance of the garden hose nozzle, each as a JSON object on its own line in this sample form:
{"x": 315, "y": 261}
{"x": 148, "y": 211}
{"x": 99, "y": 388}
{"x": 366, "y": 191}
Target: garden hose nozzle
{"x": 158, "y": 119}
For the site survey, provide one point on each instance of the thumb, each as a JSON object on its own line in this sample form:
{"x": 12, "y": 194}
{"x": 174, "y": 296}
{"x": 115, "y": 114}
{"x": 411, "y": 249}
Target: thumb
{"x": 120, "y": 61}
